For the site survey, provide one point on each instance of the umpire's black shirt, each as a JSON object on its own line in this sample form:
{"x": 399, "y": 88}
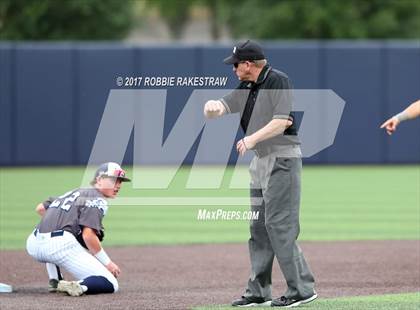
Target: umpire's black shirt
{"x": 262, "y": 101}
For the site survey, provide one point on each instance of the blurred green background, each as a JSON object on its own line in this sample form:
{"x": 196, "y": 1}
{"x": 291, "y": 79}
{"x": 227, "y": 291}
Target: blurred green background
{"x": 221, "y": 19}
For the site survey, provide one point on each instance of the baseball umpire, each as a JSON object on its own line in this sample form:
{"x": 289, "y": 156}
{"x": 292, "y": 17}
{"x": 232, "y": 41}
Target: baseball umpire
{"x": 70, "y": 234}
{"x": 264, "y": 102}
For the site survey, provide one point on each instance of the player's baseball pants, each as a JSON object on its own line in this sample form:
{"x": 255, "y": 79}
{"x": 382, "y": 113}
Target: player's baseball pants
{"x": 275, "y": 193}
{"x": 65, "y": 251}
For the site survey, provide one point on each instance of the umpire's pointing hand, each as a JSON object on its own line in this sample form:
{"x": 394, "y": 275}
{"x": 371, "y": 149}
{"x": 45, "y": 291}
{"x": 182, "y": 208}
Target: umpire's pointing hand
{"x": 391, "y": 125}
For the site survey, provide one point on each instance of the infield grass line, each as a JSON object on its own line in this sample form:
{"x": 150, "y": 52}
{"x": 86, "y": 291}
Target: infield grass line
{"x": 407, "y": 301}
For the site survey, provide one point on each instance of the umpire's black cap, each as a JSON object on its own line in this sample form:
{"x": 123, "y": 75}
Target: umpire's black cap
{"x": 245, "y": 50}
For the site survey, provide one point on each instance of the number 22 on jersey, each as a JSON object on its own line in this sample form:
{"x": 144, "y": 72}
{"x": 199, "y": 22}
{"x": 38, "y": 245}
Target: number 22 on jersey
{"x": 65, "y": 201}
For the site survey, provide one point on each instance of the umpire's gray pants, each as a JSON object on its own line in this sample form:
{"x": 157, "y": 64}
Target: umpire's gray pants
{"x": 275, "y": 193}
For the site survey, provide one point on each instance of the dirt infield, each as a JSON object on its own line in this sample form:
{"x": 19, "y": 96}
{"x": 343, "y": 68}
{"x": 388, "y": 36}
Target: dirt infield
{"x": 180, "y": 277}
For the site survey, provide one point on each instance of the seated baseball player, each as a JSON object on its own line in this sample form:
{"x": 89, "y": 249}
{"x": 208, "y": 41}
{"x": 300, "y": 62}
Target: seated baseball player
{"x": 70, "y": 233}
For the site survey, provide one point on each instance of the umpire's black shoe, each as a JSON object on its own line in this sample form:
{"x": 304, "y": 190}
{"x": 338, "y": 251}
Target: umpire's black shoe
{"x": 250, "y": 302}
{"x": 286, "y": 302}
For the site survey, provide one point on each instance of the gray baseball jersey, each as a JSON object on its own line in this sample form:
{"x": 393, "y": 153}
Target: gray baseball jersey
{"x": 73, "y": 210}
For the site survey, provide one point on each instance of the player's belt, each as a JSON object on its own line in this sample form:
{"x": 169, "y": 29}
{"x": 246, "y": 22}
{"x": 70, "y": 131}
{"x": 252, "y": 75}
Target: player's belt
{"x": 53, "y": 234}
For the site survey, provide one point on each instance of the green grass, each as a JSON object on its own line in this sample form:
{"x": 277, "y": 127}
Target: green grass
{"x": 383, "y": 302}
{"x": 338, "y": 203}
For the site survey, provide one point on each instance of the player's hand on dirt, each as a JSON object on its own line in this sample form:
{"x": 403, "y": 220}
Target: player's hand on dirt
{"x": 114, "y": 269}
{"x": 245, "y": 144}
{"x": 213, "y": 108}
{"x": 391, "y": 125}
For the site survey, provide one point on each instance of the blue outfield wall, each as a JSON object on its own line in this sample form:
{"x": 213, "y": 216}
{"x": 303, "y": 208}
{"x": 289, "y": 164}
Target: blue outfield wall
{"x": 52, "y": 96}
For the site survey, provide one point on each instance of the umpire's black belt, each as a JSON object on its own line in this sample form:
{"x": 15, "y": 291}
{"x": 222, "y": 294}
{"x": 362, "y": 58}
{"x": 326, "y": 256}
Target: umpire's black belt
{"x": 55, "y": 233}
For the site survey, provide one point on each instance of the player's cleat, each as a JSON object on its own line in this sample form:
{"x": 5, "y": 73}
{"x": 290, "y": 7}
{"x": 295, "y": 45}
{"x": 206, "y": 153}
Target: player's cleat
{"x": 52, "y": 285}
{"x": 72, "y": 288}
{"x": 251, "y": 302}
{"x": 286, "y": 302}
